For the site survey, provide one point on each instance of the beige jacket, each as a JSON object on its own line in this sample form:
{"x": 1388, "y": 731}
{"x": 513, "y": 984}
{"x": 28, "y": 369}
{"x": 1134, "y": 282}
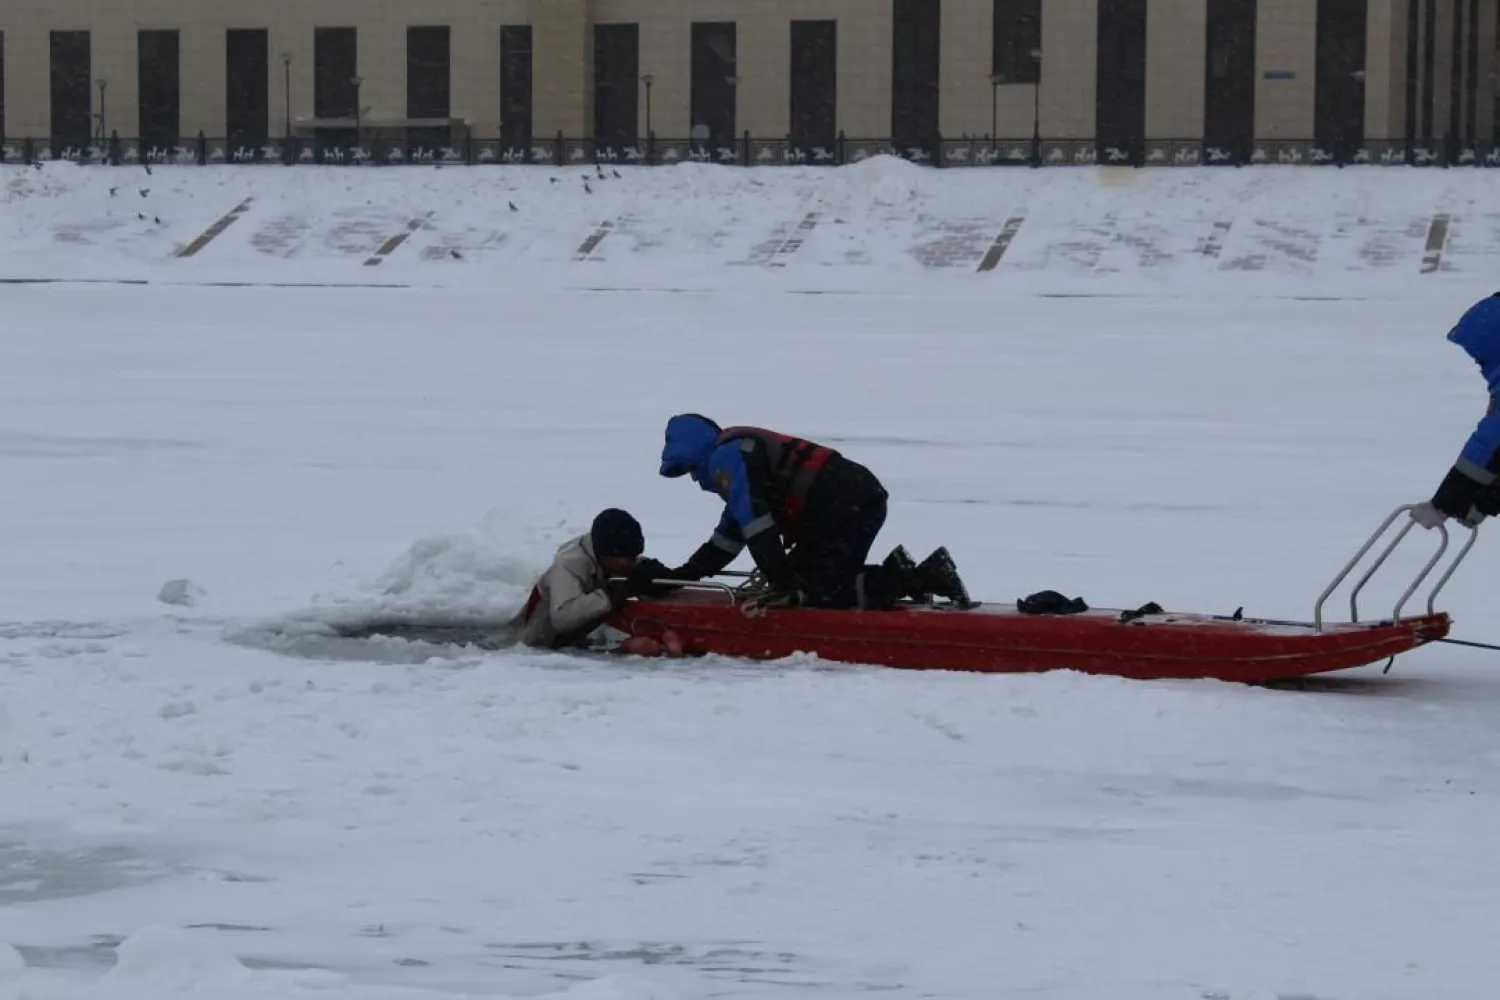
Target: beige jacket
{"x": 571, "y": 598}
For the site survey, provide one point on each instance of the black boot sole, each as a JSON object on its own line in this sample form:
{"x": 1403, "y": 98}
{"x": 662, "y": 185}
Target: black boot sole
{"x": 939, "y": 575}
{"x": 905, "y": 581}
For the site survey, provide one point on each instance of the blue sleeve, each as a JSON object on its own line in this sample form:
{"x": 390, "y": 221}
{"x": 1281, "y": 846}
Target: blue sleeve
{"x": 728, "y": 528}
{"x": 1483, "y": 446}
{"x": 727, "y": 465}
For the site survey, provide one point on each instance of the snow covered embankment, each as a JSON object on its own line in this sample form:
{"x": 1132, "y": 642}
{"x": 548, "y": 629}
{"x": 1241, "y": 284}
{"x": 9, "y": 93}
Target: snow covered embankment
{"x": 881, "y": 225}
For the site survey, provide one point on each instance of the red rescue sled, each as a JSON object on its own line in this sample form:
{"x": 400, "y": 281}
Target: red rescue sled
{"x": 715, "y": 618}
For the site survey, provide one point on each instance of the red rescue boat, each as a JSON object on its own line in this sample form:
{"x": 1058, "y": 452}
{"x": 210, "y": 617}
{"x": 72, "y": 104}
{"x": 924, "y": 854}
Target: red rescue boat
{"x": 1145, "y": 643}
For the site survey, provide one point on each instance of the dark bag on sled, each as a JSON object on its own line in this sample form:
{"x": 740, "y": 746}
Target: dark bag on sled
{"x": 1050, "y": 602}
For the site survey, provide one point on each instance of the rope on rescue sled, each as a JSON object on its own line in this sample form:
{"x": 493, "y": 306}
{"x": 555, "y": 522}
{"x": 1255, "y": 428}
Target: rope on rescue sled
{"x": 1465, "y": 642}
{"x": 1454, "y": 642}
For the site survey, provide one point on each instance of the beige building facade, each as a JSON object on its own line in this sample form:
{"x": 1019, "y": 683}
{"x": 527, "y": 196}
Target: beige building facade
{"x": 1120, "y": 79}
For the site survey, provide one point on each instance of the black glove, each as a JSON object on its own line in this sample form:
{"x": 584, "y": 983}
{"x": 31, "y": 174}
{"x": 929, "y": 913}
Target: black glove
{"x": 643, "y": 577}
{"x": 1462, "y": 496}
{"x": 649, "y": 569}
{"x": 1488, "y": 501}
{"x": 619, "y": 592}
{"x": 773, "y": 562}
{"x": 707, "y": 561}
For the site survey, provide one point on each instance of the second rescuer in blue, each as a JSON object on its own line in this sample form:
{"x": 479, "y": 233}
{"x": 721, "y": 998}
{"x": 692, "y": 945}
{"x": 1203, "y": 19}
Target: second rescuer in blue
{"x": 1470, "y": 491}
{"x": 782, "y": 492}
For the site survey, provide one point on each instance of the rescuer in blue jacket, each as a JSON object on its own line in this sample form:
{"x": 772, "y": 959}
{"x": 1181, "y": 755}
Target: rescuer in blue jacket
{"x": 1470, "y": 491}
{"x": 783, "y": 493}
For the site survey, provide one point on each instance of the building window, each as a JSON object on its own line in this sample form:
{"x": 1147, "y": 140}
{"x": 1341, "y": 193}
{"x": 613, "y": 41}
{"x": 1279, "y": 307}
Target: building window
{"x": 616, "y": 85}
{"x": 1455, "y": 74}
{"x": 1471, "y": 83}
{"x": 1413, "y": 67}
{"x": 515, "y": 85}
{"x": 714, "y": 84}
{"x": 1339, "y": 88}
{"x": 72, "y": 92}
{"x": 1120, "y": 95}
{"x": 2, "y": 94}
{"x": 159, "y": 99}
{"x": 1495, "y": 87}
{"x": 429, "y": 86}
{"x": 1229, "y": 81}
{"x": 814, "y": 84}
{"x": 335, "y": 92}
{"x": 916, "y": 46}
{"x": 1429, "y": 62}
{"x": 1018, "y": 34}
{"x": 247, "y": 92}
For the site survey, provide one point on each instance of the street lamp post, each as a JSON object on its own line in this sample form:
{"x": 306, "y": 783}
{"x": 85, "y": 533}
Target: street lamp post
{"x": 1359, "y": 81}
{"x": 648, "y": 80}
{"x": 1036, "y": 112}
{"x": 357, "y": 81}
{"x": 734, "y": 85}
{"x": 286, "y": 68}
{"x": 996, "y": 79}
{"x": 102, "y": 83}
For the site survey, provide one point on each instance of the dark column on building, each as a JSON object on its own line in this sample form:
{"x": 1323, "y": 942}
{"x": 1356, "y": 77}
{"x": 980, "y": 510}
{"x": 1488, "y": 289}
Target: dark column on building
{"x": 1229, "y": 108}
{"x": 1413, "y": 67}
{"x": 247, "y": 91}
{"x": 1120, "y": 102}
{"x": 515, "y": 85}
{"x": 429, "y": 86}
{"x": 1495, "y": 113}
{"x": 1339, "y": 98}
{"x": 714, "y": 81}
{"x": 617, "y": 81}
{"x": 1471, "y": 81}
{"x": 915, "y": 72}
{"x": 335, "y": 95}
{"x": 159, "y": 98}
{"x": 1429, "y": 69}
{"x": 72, "y": 90}
{"x": 814, "y": 84}
{"x": 2, "y": 92}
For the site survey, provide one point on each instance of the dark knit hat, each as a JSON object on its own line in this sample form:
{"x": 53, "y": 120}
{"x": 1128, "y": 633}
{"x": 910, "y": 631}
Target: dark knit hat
{"x": 616, "y": 533}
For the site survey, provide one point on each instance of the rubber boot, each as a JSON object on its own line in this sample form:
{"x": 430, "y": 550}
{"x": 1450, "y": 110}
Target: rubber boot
{"x": 939, "y": 576}
{"x": 902, "y": 579}
{"x": 900, "y": 562}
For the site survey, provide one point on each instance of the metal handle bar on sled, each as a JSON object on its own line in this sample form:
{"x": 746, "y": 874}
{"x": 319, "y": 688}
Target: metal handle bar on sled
{"x": 1431, "y": 563}
{"x": 722, "y": 588}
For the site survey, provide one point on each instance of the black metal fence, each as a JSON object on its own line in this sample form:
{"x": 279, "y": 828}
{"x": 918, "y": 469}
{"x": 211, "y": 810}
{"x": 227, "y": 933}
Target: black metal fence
{"x": 749, "y": 152}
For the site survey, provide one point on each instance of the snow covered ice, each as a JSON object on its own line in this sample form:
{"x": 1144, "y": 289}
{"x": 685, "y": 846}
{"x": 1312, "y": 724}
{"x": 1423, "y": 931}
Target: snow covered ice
{"x": 217, "y": 797}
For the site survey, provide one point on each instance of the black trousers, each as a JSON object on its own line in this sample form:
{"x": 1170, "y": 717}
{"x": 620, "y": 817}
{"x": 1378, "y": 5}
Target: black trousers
{"x": 846, "y": 509}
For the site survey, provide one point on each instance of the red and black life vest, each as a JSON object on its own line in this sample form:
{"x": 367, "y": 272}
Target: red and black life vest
{"x": 792, "y": 464}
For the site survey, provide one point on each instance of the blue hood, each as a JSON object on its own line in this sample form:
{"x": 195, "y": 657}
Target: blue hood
{"x": 690, "y": 441}
{"x": 1478, "y": 333}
